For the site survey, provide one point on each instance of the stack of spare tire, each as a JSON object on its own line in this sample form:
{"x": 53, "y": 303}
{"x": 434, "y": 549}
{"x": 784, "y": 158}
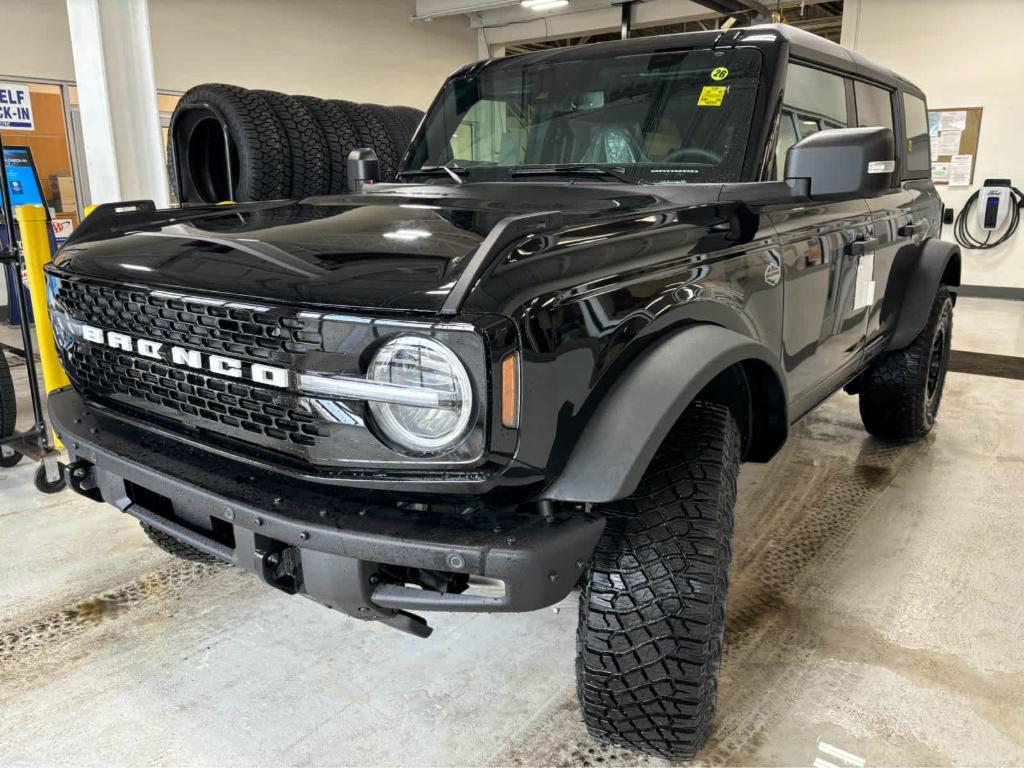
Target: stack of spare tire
{"x": 231, "y": 143}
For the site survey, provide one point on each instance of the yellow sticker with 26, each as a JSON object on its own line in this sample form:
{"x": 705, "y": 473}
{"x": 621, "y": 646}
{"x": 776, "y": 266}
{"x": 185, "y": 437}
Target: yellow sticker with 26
{"x": 712, "y": 95}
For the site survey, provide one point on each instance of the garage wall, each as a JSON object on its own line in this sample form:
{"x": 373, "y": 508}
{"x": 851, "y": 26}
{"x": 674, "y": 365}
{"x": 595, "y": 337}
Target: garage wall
{"x": 361, "y": 50}
{"x": 36, "y": 39}
{"x": 962, "y": 55}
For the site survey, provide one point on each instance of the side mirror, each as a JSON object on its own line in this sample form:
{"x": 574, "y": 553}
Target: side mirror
{"x": 843, "y": 163}
{"x": 363, "y": 168}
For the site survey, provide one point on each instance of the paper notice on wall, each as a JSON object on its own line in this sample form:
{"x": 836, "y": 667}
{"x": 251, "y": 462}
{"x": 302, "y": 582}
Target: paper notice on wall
{"x": 949, "y": 142}
{"x": 960, "y": 170}
{"x": 935, "y": 148}
{"x": 864, "y": 294}
{"x": 940, "y": 172}
{"x": 953, "y": 120}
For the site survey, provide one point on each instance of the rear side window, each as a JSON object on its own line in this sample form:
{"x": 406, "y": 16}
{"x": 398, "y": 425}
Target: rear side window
{"x": 816, "y": 93}
{"x": 915, "y": 127}
{"x": 874, "y": 106}
{"x": 814, "y": 100}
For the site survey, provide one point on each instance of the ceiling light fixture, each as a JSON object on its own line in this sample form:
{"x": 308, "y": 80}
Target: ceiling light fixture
{"x": 543, "y": 5}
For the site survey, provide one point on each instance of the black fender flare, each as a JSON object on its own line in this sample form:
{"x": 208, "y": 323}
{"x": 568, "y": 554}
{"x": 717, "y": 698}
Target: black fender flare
{"x": 937, "y": 262}
{"x": 643, "y": 405}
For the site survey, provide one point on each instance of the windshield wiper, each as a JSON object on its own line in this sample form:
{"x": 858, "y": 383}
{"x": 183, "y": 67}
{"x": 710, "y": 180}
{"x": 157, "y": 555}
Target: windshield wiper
{"x": 435, "y": 170}
{"x": 572, "y": 169}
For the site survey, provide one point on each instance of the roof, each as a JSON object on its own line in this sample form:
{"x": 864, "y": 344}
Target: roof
{"x": 804, "y": 45}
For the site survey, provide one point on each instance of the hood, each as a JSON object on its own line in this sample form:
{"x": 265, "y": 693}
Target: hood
{"x": 402, "y": 247}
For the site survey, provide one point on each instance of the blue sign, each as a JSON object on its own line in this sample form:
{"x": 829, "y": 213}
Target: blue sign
{"x": 16, "y": 108}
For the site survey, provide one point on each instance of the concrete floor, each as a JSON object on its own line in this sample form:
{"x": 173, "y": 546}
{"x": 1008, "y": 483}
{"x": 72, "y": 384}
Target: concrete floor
{"x": 874, "y": 610}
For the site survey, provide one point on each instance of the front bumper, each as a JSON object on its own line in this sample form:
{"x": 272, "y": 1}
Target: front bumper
{"x": 330, "y": 543}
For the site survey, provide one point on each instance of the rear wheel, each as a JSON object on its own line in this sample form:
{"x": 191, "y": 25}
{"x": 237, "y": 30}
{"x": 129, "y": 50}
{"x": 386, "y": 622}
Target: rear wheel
{"x": 901, "y": 391}
{"x": 652, "y": 605}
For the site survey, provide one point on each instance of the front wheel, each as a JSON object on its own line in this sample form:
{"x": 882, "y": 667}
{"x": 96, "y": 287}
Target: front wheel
{"x": 901, "y": 391}
{"x": 652, "y": 604}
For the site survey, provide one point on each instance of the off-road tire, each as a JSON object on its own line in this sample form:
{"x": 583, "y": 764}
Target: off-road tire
{"x": 263, "y": 155}
{"x": 410, "y": 116}
{"x": 652, "y": 603}
{"x": 307, "y": 145}
{"x": 172, "y": 546}
{"x": 373, "y": 134}
{"x": 900, "y": 393}
{"x": 340, "y": 136}
{"x": 395, "y": 127}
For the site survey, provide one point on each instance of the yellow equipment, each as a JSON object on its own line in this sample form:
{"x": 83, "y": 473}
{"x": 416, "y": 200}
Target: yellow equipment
{"x": 35, "y": 244}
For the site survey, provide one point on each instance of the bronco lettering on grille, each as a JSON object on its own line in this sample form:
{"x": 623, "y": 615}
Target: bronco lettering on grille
{"x": 190, "y": 358}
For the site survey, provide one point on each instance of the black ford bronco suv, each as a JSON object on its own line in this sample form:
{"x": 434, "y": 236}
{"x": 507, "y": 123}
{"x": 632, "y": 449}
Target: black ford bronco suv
{"x": 606, "y": 277}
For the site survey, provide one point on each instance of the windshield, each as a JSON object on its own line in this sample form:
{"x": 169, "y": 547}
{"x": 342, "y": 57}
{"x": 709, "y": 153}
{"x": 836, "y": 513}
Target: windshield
{"x": 668, "y": 117}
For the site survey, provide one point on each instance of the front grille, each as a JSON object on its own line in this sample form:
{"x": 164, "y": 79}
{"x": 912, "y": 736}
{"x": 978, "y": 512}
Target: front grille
{"x": 275, "y": 418}
{"x": 255, "y": 411}
{"x": 240, "y": 330}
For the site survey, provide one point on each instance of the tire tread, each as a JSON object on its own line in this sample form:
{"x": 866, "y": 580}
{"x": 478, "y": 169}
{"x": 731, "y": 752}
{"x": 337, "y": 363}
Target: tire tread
{"x": 652, "y": 606}
{"x": 893, "y": 399}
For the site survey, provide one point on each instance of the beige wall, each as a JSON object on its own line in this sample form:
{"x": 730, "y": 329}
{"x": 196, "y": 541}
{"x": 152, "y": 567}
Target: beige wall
{"x": 36, "y": 39}
{"x": 361, "y": 50}
{"x": 963, "y": 55}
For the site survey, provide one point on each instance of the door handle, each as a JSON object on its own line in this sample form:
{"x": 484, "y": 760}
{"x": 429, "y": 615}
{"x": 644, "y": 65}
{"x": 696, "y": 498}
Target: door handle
{"x": 913, "y": 230}
{"x": 862, "y": 245}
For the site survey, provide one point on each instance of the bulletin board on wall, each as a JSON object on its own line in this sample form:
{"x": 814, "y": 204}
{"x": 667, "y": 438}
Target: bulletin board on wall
{"x": 954, "y": 133}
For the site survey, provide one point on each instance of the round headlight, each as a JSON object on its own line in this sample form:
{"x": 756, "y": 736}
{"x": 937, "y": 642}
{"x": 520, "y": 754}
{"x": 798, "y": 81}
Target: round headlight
{"x": 425, "y": 367}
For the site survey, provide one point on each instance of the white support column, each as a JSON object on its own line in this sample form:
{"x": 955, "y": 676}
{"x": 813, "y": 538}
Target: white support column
{"x": 113, "y": 55}
{"x": 483, "y": 50}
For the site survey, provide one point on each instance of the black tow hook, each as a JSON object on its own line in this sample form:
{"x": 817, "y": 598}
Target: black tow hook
{"x": 81, "y": 476}
{"x": 280, "y": 568}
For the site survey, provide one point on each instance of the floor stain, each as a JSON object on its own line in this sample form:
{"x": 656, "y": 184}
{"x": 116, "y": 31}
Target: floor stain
{"x": 64, "y": 626}
{"x": 785, "y": 538}
{"x": 998, "y": 697}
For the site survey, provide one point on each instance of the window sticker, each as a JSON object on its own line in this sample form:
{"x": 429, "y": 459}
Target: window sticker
{"x": 712, "y": 96}
{"x": 719, "y": 73}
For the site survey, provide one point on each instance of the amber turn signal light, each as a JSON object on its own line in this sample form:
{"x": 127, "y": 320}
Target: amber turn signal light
{"x": 509, "y": 395}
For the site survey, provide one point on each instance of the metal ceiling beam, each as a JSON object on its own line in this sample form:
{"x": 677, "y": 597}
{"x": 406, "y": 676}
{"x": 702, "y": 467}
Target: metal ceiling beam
{"x": 436, "y": 9}
{"x": 761, "y": 8}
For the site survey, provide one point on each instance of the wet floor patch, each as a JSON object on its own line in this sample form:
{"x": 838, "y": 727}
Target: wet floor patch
{"x": 801, "y": 516}
{"x": 47, "y": 634}
{"x": 785, "y": 539}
